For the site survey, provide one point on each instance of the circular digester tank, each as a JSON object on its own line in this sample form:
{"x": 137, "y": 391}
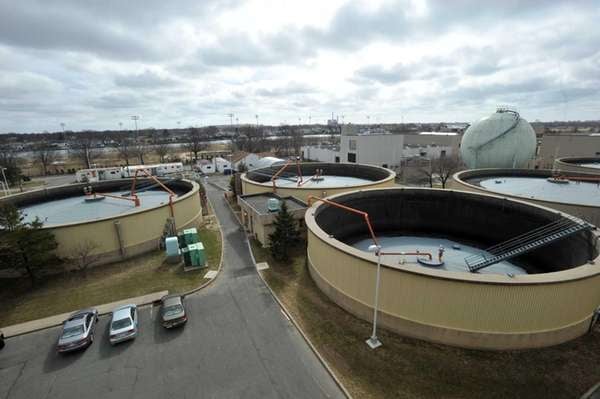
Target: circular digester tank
{"x": 525, "y": 301}
{"x": 572, "y": 192}
{"x": 315, "y": 178}
{"x": 116, "y": 227}
{"x": 502, "y": 140}
{"x": 578, "y": 165}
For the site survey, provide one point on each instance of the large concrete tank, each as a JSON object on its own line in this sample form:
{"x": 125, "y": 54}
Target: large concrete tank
{"x": 502, "y": 140}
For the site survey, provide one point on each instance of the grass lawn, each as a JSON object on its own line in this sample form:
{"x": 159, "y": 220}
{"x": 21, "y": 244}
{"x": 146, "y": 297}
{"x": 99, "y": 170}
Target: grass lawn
{"x": 410, "y": 368}
{"x": 71, "y": 291}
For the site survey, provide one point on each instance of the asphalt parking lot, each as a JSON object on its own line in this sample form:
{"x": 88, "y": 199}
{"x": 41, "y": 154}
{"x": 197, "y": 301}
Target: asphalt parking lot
{"x": 237, "y": 343}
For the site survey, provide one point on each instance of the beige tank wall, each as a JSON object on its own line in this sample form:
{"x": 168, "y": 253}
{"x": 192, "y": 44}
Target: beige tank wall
{"x": 487, "y": 315}
{"x": 572, "y": 167}
{"x": 588, "y": 213}
{"x": 140, "y": 231}
{"x": 303, "y": 193}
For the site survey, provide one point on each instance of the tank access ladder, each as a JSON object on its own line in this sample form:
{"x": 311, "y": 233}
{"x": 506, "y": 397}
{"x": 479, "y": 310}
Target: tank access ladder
{"x": 527, "y": 242}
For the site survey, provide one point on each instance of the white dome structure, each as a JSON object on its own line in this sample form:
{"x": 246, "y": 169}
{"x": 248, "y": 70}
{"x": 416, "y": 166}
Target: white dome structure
{"x": 502, "y": 140}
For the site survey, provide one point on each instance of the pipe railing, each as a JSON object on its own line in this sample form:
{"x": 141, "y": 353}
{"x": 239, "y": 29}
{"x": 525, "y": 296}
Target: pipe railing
{"x": 152, "y": 177}
{"x": 284, "y": 167}
{"x": 364, "y": 214}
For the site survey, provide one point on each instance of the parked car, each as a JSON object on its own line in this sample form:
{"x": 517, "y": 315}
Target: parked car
{"x": 172, "y": 311}
{"x": 1, "y": 339}
{"x": 78, "y": 331}
{"x": 123, "y": 324}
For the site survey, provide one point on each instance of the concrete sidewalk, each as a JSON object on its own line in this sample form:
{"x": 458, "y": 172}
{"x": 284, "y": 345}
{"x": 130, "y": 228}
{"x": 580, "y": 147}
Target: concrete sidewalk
{"x": 53, "y": 321}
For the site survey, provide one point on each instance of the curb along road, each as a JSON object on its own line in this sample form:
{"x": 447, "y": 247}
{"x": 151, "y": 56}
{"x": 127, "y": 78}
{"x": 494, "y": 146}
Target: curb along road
{"x": 288, "y": 314}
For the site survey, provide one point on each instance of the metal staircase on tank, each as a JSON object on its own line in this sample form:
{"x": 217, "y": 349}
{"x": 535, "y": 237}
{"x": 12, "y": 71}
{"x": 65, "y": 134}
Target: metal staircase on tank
{"x": 527, "y": 242}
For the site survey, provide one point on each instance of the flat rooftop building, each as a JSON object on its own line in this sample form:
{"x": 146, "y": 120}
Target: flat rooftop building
{"x": 260, "y": 210}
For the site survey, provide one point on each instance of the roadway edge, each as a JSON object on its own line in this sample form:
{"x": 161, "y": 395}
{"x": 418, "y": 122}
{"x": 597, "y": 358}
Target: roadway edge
{"x": 288, "y": 314}
{"x": 209, "y": 282}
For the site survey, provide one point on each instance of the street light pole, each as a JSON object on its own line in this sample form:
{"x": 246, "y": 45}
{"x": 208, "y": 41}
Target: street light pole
{"x": 373, "y": 341}
{"x": 135, "y": 119}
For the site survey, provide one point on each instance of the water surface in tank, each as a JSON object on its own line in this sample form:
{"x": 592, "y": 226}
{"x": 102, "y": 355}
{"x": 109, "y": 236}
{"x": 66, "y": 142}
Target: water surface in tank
{"x": 573, "y": 192}
{"x": 591, "y": 165}
{"x": 325, "y": 181}
{"x": 454, "y": 259}
{"x": 76, "y": 209}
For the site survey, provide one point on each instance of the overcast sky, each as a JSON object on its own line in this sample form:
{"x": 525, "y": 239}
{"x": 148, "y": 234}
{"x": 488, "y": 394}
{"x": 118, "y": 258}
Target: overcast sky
{"x": 92, "y": 64}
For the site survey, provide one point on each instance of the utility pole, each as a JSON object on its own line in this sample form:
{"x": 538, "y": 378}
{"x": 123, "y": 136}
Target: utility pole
{"x": 256, "y": 116}
{"x": 62, "y": 125}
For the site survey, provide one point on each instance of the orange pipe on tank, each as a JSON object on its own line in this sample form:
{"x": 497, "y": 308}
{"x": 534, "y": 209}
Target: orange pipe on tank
{"x": 299, "y": 170}
{"x": 365, "y": 215}
{"x": 305, "y": 181}
{"x": 278, "y": 173}
{"x": 167, "y": 189}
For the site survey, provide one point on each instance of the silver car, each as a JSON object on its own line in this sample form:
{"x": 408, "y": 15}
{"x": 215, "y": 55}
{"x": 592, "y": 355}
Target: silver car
{"x": 123, "y": 324}
{"x": 172, "y": 311}
{"x": 78, "y": 331}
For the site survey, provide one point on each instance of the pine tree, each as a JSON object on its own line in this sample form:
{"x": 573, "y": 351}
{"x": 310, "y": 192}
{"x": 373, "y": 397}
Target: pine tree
{"x": 25, "y": 247}
{"x": 285, "y": 235}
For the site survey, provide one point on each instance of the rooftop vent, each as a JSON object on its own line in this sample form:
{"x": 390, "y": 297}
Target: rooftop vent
{"x": 273, "y": 205}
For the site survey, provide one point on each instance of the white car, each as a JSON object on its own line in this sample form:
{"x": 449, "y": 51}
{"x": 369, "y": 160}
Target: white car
{"x": 123, "y": 324}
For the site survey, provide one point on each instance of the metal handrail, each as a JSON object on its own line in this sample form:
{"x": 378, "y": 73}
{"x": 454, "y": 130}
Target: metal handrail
{"x": 525, "y": 238}
{"x": 484, "y": 261}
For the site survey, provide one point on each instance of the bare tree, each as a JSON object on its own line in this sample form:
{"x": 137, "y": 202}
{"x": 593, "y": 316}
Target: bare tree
{"x": 9, "y": 161}
{"x": 83, "y": 256}
{"x": 194, "y": 143}
{"x": 251, "y": 139}
{"x": 44, "y": 155}
{"x": 85, "y": 151}
{"x": 139, "y": 149}
{"x": 440, "y": 169}
{"x": 162, "y": 150}
{"x": 125, "y": 150}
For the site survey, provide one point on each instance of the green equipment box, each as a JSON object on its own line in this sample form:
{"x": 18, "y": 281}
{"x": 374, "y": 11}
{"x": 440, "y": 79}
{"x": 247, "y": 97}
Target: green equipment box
{"x": 190, "y": 236}
{"x": 197, "y": 255}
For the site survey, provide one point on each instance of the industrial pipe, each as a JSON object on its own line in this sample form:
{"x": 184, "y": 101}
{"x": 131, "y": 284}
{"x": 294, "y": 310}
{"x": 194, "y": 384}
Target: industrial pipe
{"x": 278, "y": 173}
{"x": 365, "y": 215}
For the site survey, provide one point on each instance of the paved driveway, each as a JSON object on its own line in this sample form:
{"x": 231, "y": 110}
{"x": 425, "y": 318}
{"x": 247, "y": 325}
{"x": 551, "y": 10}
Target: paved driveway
{"x": 237, "y": 344}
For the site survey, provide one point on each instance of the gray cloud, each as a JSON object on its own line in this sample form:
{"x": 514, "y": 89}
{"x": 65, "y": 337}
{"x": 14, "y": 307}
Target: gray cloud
{"x": 288, "y": 90}
{"x": 144, "y": 80}
{"x": 47, "y": 28}
{"x": 91, "y": 63}
{"x": 397, "y": 73}
{"x": 240, "y": 50}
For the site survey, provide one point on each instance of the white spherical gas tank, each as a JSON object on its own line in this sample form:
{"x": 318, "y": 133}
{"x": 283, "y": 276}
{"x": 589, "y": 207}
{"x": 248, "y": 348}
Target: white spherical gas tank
{"x": 502, "y": 140}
